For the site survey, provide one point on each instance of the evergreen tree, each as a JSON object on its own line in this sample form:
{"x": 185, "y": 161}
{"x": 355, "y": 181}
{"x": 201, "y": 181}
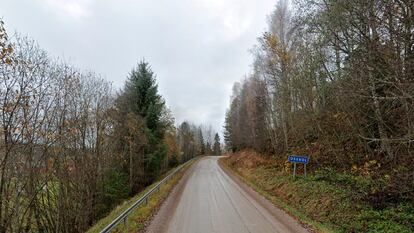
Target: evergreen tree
{"x": 142, "y": 99}
{"x": 227, "y": 135}
{"x": 202, "y": 143}
{"x": 217, "y": 146}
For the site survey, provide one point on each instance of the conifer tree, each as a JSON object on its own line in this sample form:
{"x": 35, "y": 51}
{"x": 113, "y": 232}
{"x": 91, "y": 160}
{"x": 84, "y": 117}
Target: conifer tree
{"x": 143, "y": 100}
{"x": 202, "y": 143}
{"x": 142, "y": 89}
{"x": 217, "y": 146}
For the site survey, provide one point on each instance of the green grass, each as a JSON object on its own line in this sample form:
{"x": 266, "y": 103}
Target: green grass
{"x": 138, "y": 218}
{"x": 327, "y": 201}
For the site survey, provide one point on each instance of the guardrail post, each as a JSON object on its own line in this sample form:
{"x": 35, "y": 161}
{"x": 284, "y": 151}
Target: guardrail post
{"x": 126, "y": 224}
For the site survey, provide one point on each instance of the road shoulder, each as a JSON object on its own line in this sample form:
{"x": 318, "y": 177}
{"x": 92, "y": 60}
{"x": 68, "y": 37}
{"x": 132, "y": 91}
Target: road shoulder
{"x": 283, "y": 217}
{"x": 160, "y": 221}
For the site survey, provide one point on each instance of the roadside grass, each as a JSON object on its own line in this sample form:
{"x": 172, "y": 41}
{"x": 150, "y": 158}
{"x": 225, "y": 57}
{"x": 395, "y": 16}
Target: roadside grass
{"x": 138, "y": 219}
{"x": 326, "y": 201}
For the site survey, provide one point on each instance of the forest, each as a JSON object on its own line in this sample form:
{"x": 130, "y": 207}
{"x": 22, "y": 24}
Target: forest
{"x": 334, "y": 80}
{"x": 73, "y": 147}
{"x": 330, "y": 79}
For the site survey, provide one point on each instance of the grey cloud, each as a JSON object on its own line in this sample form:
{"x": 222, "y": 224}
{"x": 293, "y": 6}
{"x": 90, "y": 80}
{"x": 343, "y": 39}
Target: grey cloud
{"x": 197, "y": 48}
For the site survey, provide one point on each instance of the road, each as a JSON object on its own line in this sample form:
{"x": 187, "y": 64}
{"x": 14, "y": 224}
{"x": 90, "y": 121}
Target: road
{"x": 212, "y": 202}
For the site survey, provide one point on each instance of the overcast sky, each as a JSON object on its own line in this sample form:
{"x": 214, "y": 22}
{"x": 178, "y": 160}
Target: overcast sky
{"x": 197, "y": 48}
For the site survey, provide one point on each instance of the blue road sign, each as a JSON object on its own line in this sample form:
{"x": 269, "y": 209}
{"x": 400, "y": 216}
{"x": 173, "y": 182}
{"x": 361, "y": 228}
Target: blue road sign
{"x": 298, "y": 159}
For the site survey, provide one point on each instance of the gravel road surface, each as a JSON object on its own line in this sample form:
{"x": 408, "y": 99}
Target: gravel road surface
{"x": 211, "y": 201}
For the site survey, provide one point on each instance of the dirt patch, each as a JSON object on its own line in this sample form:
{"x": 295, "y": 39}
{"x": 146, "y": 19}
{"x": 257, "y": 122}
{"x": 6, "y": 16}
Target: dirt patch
{"x": 248, "y": 159}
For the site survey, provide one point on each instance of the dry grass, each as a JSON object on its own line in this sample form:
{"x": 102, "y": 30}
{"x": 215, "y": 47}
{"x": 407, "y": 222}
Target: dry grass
{"x": 327, "y": 201}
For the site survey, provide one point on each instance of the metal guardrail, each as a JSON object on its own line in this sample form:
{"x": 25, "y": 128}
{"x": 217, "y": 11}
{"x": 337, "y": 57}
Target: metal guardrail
{"x": 123, "y": 217}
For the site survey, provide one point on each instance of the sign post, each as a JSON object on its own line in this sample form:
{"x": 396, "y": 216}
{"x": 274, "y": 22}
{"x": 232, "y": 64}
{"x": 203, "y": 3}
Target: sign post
{"x": 294, "y": 170}
{"x": 298, "y": 159}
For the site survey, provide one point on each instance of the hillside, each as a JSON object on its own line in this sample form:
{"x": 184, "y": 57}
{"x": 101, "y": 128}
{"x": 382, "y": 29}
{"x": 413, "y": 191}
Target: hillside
{"x": 326, "y": 200}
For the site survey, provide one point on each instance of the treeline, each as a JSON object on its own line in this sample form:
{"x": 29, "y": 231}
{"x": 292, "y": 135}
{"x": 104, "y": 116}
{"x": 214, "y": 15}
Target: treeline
{"x": 198, "y": 139}
{"x": 334, "y": 80}
{"x": 71, "y": 148}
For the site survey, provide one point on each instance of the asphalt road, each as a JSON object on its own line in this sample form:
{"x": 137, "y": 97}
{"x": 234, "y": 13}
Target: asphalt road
{"x": 212, "y": 202}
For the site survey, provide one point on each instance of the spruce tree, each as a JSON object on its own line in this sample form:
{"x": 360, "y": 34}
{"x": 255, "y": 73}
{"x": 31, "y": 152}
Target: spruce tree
{"x": 143, "y": 100}
{"x": 217, "y": 146}
{"x": 227, "y": 134}
{"x": 142, "y": 89}
{"x": 202, "y": 143}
